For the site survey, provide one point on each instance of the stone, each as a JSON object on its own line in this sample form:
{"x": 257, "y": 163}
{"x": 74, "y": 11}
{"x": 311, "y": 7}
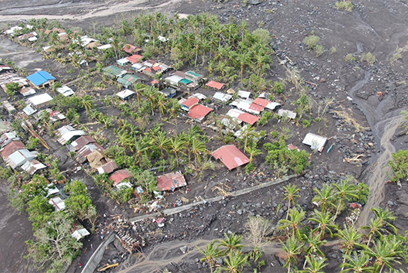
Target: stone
{"x": 183, "y": 249}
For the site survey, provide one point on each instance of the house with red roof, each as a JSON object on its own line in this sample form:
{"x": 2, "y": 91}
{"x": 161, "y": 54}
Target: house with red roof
{"x": 120, "y": 176}
{"x": 248, "y": 118}
{"x": 171, "y": 181}
{"x": 131, "y": 49}
{"x": 215, "y": 85}
{"x": 199, "y": 112}
{"x": 135, "y": 58}
{"x": 231, "y": 156}
{"x": 187, "y": 104}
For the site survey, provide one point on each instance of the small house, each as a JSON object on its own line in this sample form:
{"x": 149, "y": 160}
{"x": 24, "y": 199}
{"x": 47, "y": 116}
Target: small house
{"x": 171, "y": 181}
{"x": 29, "y": 110}
{"x": 65, "y": 91}
{"x": 122, "y": 62}
{"x": 222, "y": 97}
{"x": 19, "y": 157}
{"x": 244, "y": 94}
{"x": 138, "y": 67}
{"x": 248, "y": 118}
{"x": 128, "y": 80}
{"x": 33, "y": 166}
{"x": 286, "y": 113}
{"x": 231, "y": 156}
{"x": 131, "y": 49}
{"x": 173, "y": 81}
{"x": 186, "y": 105}
{"x": 9, "y": 107}
{"x": 81, "y": 142}
{"x": 267, "y": 104}
{"x": 11, "y": 147}
{"x": 41, "y": 79}
{"x": 27, "y": 91}
{"x": 125, "y": 94}
{"x": 135, "y": 58}
{"x": 199, "y": 112}
{"x": 58, "y": 203}
{"x": 107, "y": 168}
{"x": 120, "y": 176}
{"x": 194, "y": 77}
{"x": 39, "y": 100}
{"x": 114, "y": 71}
{"x": 104, "y": 47}
{"x": 168, "y": 92}
{"x": 67, "y": 133}
{"x": 315, "y": 142}
{"x": 215, "y": 85}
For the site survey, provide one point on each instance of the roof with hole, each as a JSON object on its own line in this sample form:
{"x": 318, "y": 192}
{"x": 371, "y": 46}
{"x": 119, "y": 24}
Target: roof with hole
{"x": 231, "y": 156}
{"x": 171, "y": 181}
{"x": 120, "y": 175}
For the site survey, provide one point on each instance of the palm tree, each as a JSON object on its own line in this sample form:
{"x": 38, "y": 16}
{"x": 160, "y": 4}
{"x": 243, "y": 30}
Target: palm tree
{"x": 345, "y": 191}
{"x": 350, "y": 238}
{"x": 139, "y": 88}
{"x": 243, "y": 61}
{"x": 151, "y": 96}
{"x": 324, "y": 198}
{"x": 198, "y": 147}
{"x": 211, "y": 253}
{"x": 248, "y": 133}
{"x": 374, "y": 227}
{"x": 312, "y": 244}
{"x": 315, "y": 265}
{"x": 87, "y": 103}
{"x": 325, "y": 221}
{"x": 176, "y": 146}
{"x": 234, "y": 263}
{"x": 161, "y": 103}
{"x": 357, "y": 263}
{"x": 231, "y": 243}
{"x": 253, "y": 151}
{"x": 385, "y": 217}
{"x": 162, "y": 141}
{"x": 290, "y": 195}
{"x": 385, "y": 254}
{"x": 296, "y": 217}
{"x": 293, "y": 248}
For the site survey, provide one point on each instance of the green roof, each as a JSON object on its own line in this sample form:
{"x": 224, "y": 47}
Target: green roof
{"x": 185, "y": 81}
{"x": 128, "y": 80}
{"x": 193, "y": 73}
{"x": 113, "y": 70}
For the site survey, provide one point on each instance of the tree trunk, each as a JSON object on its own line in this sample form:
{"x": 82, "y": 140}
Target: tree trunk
{"x": 287, "y": 214}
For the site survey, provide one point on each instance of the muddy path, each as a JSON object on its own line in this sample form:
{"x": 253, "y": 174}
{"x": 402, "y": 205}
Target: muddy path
{"x": 104, "y": 10}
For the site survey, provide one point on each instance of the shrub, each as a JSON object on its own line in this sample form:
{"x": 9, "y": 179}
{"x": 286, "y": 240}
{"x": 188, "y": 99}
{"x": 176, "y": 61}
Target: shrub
{"x": 399, "y": 165}
{"x": 368, "y": 57}
{"x": 344, "y": 5}
{"x": 333, "y": 50}
{"x": 311, "y": 41}
{"x": 350, "y": 58}
{"x": 278, "y": 88}
{"x": 319, "y": 49}
{"x": 306, "y": 123}
{"x": 265, "y": 118}
{"x": 12, "y": 88}
{"x": 249, "y": 168}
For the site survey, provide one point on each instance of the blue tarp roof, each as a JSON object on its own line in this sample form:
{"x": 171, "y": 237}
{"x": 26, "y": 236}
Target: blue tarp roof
{"x": 40, "y": 77}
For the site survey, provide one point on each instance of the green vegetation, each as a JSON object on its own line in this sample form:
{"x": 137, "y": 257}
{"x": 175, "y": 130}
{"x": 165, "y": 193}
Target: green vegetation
{"x": 311, "y": 41}
{"x": 333, "y": 50}
{"x": 346, "y": 5}
{"x": 12, "y": 88}
{"x": 368, "y": 57}
{"x": 32, "y": 143}
{"x": 399, "y": 165}
{"x": 319, "y": 49}
{"x": 350, "y": 58}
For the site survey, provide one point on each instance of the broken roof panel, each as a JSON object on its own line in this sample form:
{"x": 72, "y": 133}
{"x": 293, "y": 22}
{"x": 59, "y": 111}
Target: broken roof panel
{"x": 67, "y": 132}
{"x": 315, "y": 142}
{"x": 81, "y": 142}
{"x": 33, "y": 166}
{"x": 171, "y": 181}
{"x": 199, "y": 112}
{"x": 107, "y": 168}
{"x": 286, "y": 113}
{"x": 231, "y": 156}
{"x": 120, "y": 175}
{"x": 216, "y": 85}
{"x": 58, "y": 203}
{"x": 222, "y": 97}
{"x": 65, "y": 91}
{"x": 20, "y": 157}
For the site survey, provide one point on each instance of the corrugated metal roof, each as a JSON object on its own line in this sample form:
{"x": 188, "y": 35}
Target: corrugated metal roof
{"x": 248, "y": 118}
{"x": 231, "y": 156}
{"x": 40, "y": 78}
{"x": 171, "y": 181}
{"x": 119, "y": 176}
{"x": 198, "y": 112}
{"x": 11, "y": 147}
{"x": 40, "y": 99}
{"x": 216, "y": 85}
{"x": 315, "y": 142}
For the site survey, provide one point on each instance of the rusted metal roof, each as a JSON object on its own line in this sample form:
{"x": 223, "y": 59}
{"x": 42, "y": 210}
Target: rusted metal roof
{"x": 119, "y": 176}
{"x": 171, "y": 181}
{"x": 108, "y": 167}
{"x": 81, "y": 142}
{"x": 11, "y": 147}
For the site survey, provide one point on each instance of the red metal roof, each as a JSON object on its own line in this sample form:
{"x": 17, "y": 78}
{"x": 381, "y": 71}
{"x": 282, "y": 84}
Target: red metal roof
{"x": 190, "y": 102}
{"x": 148, "y": 70}
{"x": 215, "y": 85}
{"x": 129, "y": 48}
{"x": 119, "y": 176}
{"x": 135, "y": 58}
{"x": 292, "y": 147}
{"x": 180, "y": 74}
{"x": 248, "y": 118}
{"x": 156, "y": 68}
{"x": 11, "y": 147}
{"x": 171, "y": 181}
{"x": 262, "y": 102}
{"x": 154, "y": 82}
{"x": 199, "y": 111}
{"x": 231, "y": 156}
{"x": 256, "y": 107}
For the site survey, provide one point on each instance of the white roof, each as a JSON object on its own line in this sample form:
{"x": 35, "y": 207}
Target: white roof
{"x": 286, "y": 113}
{"x": 33, "y": 166}
{"x": 230, "y": 122}
{"x": 104, "y": 47}
{"x": 272, "y": 105}
{"x": 68, "y": 135}
{"x": 32, "y": 39}
{"x": 27, "y": 91}
{"x": 234, "y": 113}
{"x": 244, "y": 94}
{"x": 58, "y": 203}
{"x": 65, "y": 91}
{"x": 198, "y": 96}
{"x": 29, "y": 110}
{"x": 45, "y": 48}
{"x": 315, "y": 142}
{"x": 125, "y": 93}
{"x": 162, "y": 39}
{"x": 40, "y": 99}
{"x": 124, "y": 185}
{"x": 51, "y": 189}
{"x": 13, "y": 29}
{"x": 174, "y": 79}
{"x": 123, "y": 61}
{"x": 138, "y": 66}
{"x": 245, "y": 104}
{"x": 80, "y": 233}
{"x": 85, "y": 40}
{"x": 222, "y": 97}
{"x": 19, "y": 157}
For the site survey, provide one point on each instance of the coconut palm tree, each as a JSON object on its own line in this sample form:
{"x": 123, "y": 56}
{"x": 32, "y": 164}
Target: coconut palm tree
{"x": 357, "y": 263}
{"x": 290, "y": 195}
{"x": 325, "y": 222}
{"x": 87, "y": 103}
{"x": 197, "y": 148}
{"x": 350, "y": 238}
{"x": 234, "y": 263}
{"x": 177, "y": 146}
{"x": 385, "y": 216}
{"x": 296, "y": 217}
{"x": 293, "y": 248}
{"x": 211, "y": 253}
{"x": 161, "y": 104}
{"x": 345, "y": 191}
{"x": 248, "y": 134}
{"x": 324, "y": 198}
{"x": 253, "y": 151}
{"x": 231, "y": 243}
{"x": 162, "y": 141}
{"x": 316, "y": 265}
{"x": 385, "y": 253}
{"x": 312, "y": 244}
{"x": 375, "y": 227}
{"x": 151, "y": 95}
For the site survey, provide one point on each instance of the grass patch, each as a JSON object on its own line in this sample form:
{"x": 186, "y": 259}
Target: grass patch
{"x": 344, "y": 5}
{"x": 368, "y": 57}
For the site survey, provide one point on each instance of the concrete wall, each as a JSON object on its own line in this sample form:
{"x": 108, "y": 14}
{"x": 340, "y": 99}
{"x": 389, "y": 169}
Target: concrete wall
{"x": 96, "y": 257}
